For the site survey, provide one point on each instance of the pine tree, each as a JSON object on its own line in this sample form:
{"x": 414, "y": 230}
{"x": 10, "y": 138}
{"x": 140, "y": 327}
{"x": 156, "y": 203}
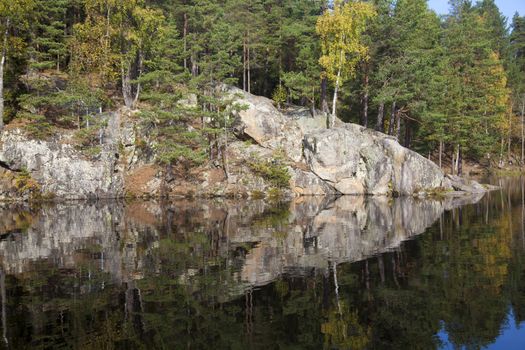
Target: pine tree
{"x": 49, "y": 42}
{"x": 476, "y": 94}
{"x": 406, "y": 63}
{"x": 496, "y": 24}
{"x": 300, "y": 49}
{"x": 516, "y": 72}
{"x": 13, "y": 14}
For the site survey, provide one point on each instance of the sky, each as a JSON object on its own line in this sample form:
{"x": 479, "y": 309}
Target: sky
{"x": 507, "y": 7}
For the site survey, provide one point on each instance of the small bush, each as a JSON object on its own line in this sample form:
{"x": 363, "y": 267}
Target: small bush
{"x": 273, "y": 170}
{"x": 279, "y": 96}
{"x": 25, "y": 183}
{"x": 36, "y": 126}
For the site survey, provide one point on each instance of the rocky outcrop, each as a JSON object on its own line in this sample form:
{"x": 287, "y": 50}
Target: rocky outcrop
{"x": 60, "y": 170}
{"x": 465, "y": 185}
{"x": 347, "y": 159}
{"x": 359, "y": 161}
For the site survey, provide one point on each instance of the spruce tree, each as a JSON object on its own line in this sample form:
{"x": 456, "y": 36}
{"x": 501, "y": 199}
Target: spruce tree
{"x": 49, "y": 37}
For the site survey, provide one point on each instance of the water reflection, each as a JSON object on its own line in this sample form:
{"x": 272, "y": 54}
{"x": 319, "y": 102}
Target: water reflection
{"x": 345, "y": 272}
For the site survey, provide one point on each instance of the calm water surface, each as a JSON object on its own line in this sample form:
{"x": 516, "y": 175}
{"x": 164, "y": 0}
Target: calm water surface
{"x": 318, "y": 273}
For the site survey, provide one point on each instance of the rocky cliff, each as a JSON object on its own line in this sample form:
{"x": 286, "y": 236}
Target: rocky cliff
{"x": 310, "y": 159}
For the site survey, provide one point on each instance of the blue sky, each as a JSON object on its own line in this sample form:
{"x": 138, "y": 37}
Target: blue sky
{"x": 507, "y": 7}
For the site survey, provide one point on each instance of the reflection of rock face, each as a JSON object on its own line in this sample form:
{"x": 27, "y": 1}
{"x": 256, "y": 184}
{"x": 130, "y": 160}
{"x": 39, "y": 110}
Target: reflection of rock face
{"x": 62, "y": 232}
{"x": 305, "y": 234}
{"x": 345, "y": 230}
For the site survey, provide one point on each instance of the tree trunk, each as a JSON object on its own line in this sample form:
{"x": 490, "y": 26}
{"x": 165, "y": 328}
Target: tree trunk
{"x": 249, "y": 78}
{"x": 244, "y": 63}
{"x": 392, "y": 119}
{"x": 440, "y": 152}
{"x": 331, "y": 117}
{"x": 336, "y": 90}
{"x": 501, "y": 153}
{"x": 398, "y": 126}
{"x": 509, "y": 137}
{"x": 365, "y": 100}
{"x": 460, "y": 161}
{"x": 184, "y": 35}
{"x": 126, "y": 86}
{"x": 408, "y": 134}
{"x": 324, "y": 94}
{"x": 456, "y": 166}
{"x": 132, "y": 71}
{"x": 312, "y": 103}
{"x": 194, "y": 65}
{"x": 523, "y": 131}
{"x": 453, "y": 164}
{"x": 2, "y": 65}
{"x": 138, "y": 87}
{"x": 380, "y": 116}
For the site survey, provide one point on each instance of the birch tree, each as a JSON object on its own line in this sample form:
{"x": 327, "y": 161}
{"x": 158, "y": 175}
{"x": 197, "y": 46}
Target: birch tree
{"x": 114, "y": 41}
{"x": 341, "y": 31}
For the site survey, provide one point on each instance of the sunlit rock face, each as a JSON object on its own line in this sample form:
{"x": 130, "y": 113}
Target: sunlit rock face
{"x": 348, "y": 159}
{"x": 260, "y": 240}
{"x": 59, "y": 169}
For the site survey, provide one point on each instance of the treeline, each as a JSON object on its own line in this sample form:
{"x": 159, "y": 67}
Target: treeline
{"x": 449, "y": 85}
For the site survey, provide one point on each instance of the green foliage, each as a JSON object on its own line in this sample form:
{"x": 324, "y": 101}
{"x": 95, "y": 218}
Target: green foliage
{"x": 36, "y": 126}
{"x": 279, "y": 96}
{"x": 69, "y": 107}
{"x": 89, "y": 138}
{"x": 25, "y": 183}
{"x": 273, "y": 170}
{"x": 341, "y": 38}
{"x": 173, "y": 141}
{"x": 49, "y": 48}
{"x": 451, "y": 80}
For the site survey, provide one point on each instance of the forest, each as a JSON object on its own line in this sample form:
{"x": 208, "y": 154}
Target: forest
{"x": 450, "y": 87}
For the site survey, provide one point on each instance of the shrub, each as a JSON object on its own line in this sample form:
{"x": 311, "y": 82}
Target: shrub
{"x": 273, "y": 170}
{"x": 279, "y": 96}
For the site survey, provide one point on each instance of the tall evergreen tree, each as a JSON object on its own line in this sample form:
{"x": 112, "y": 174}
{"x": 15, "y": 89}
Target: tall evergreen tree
{"x": 14, "y": 15}
{"x": 49, "y": 35}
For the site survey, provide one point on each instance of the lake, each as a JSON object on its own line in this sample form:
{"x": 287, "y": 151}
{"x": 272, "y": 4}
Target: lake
{"x": 314, "y": 273}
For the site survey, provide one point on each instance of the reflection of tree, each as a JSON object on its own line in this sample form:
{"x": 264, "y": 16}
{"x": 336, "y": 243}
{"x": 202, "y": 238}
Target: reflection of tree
{"x": 342, "y": 330}
{"x": 177, "y": 283}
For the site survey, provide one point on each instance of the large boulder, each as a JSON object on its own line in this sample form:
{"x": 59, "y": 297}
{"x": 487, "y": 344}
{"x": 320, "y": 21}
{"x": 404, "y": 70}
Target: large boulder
{"x": 306, "y": 183}
{"x": 349, "y": 159}
{"x": 359, "y": 161}
{"x": 261, "y": 121}
{"x": 466, "y": 185}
